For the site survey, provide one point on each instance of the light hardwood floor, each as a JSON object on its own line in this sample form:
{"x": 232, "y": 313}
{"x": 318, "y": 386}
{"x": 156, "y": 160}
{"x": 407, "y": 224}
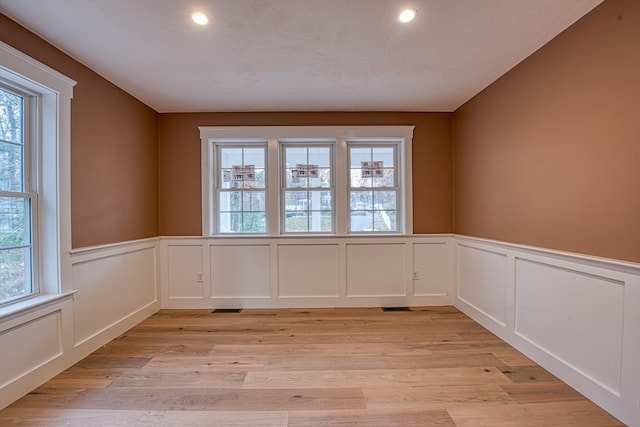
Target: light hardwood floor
{"x": 430, "y": 366}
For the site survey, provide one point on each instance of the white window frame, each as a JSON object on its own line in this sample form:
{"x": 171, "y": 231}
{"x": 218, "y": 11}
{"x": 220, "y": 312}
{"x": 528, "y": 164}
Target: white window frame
{"x": 277, "y": 134}
{"x": 53, "y": 93}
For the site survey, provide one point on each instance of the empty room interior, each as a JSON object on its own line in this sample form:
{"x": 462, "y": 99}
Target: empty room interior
{"x": 343, "y": 212}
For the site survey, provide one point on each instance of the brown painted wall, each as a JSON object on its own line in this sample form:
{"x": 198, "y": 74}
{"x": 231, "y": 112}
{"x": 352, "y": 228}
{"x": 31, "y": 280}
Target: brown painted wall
{"x": 114, "y": 152}
{"x": 180, "y": 201}
{"x": 549, "y": 155}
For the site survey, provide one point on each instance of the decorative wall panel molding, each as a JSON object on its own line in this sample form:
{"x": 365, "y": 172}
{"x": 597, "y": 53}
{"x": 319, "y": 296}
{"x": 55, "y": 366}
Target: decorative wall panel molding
{"x": 114, "y": 288}
{"x": 306, "y": 272}
{"x": 577, "y": 316}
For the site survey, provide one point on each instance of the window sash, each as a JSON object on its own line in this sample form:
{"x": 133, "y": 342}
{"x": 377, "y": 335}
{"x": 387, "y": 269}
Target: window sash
{"x": 241, "y": 188}
{"x": 309, "y": 206}
{"x": 19, "y": 205}
{"x": 373, "y": 207}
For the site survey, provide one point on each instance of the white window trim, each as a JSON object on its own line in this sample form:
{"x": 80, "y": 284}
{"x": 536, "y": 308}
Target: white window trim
{"x": 341, "y": 134}
{"x": 55, "y": 92}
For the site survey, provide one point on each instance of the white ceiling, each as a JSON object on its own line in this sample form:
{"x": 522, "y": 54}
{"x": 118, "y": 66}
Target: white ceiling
{"x": 299, "y": 55}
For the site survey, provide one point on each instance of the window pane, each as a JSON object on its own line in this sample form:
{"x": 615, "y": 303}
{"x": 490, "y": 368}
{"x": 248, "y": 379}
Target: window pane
{"x": 361, "y": 200}
{"x": 230, "y": 157}
{"x": 230, "y": 201}
{"x": 11, "y": 167}
{"x": 372, "y": 167}
{"x": 294, "y": 178}
{"x": 373, "y": 210}
{"x": 361, "y": 221}
{"x": 296, "y": 222}
{"x": 15, "y": 274}
{"x": 295, "y": 201}
{"x": 253, "y": 201}
{"x": 230, "y": 222}
{"x": 384, "y": 200}
{"x": 359, "y": 155}
{"x": 385, "y": 179}
{"x": 384, "y": 154}
{"x": 309, "y": 221}
{"x": 242, "y": 222}
{"x": 254, "y": 222}
{"x": 384, "y": 221}
{"x": 326, "y": 224}
{"x": 254, "y": 156}
{"x": 307, "y": 166}
{"x": 320, "y": 221}
{"x": 10, "y": 117}
{"x": 308, "y": 211}
{"x": 357, "y": 180}
{"x": 11, "y": 148}
{"x": 295, "y": 155}
{"x": 242, "y": 212}
{"x": 15, "y": 217}
{"x": 242, "y": 167}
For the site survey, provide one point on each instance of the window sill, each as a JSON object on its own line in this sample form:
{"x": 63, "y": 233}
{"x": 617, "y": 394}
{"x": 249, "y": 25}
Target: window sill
{"x": 22, "y": 307}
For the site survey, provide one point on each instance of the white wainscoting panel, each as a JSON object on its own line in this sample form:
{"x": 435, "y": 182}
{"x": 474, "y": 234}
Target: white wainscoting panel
{"x": 35, "y": 344}
{"x": 185, "y": 272}
{"x": 577, "y": 316}
{"x": 114, "y": 287}
{"x": 301, "y": 271}
{"x": 241, "y": 271}
{"x": 308, "y": 271}
{"x": 432, "y": 262}
{"x": 20, "y": 356}
{"x": 111, "y": 288}
{"x": 482, "y": 281}
{"x": 376, "y": 270}
{"x": 574, "y": 316}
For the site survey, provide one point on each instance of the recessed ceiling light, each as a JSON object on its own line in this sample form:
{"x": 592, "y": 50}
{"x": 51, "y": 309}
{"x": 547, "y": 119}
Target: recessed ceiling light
{"x": 200, "y": 18}
{"x": 407, "y": 15}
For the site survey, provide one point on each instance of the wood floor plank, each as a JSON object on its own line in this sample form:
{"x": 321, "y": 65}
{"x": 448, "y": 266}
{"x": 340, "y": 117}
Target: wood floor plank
{"x": 219, "y": 399}
{"x": 415, "y": 418}
{"x": 434, "y": 397}
{"x": 58, "y": 383}
{"x": 206, "y": 363}
{"x": 346, "y": 349}
{"x": 379, "y": 362}
{"x": 527, "y": 374}
{"x": 555, "y": 414}
{"x": 367, "y": 378}
{"x": 180, "y": 379}
{"x": 426, "y": 366}
{"x": 110, "y": 418}
{"x": 96, "y": 361}
{"x": 541, "y": 392}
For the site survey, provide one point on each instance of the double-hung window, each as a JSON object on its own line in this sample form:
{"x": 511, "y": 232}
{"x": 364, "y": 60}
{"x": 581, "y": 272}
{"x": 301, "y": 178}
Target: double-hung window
{"x": 18, "y": 195}
{"x": 298, "y": 180}
{"x": 307, "y": 171}
{"x": 241, "y": 187}
{"x": 35, "y": 208}
{"x": 373, "y": 187}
